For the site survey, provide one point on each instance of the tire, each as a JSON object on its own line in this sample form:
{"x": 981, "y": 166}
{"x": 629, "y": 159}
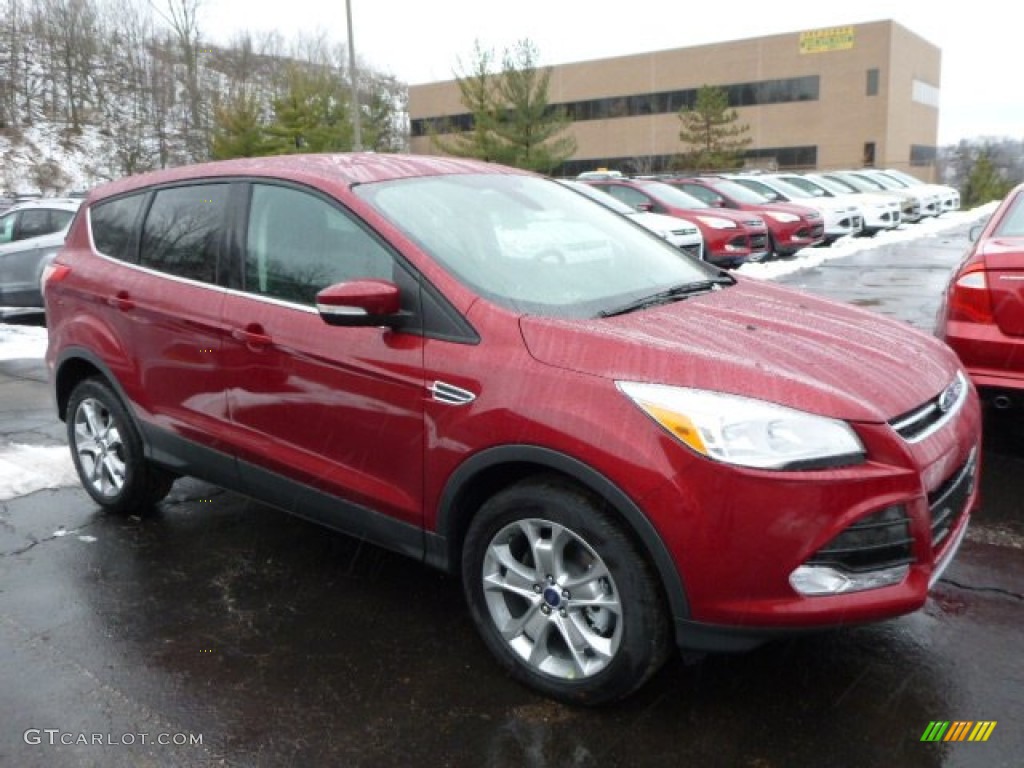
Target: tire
{"x": 537, "y": 559}
{"x": 107, "y": 451}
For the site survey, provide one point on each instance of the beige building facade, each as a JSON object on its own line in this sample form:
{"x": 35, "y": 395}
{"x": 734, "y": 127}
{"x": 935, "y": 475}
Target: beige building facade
{"x": 845, "y": 97}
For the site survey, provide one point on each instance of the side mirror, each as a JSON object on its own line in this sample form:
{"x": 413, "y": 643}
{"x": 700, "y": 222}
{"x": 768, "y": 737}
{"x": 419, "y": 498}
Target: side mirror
{"x": 644, "y": 207}
{"x": 360, "y": 303}
{"x": 975, "y": 232}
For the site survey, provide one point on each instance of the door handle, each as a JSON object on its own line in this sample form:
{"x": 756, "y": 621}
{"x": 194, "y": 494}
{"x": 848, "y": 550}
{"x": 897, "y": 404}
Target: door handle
{"x": 121, "y": 301}
{"x": 254, "y": 337}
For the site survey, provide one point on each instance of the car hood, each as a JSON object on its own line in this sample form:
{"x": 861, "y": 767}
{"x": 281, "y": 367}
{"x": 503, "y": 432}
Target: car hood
{"x": 762, "y": 341}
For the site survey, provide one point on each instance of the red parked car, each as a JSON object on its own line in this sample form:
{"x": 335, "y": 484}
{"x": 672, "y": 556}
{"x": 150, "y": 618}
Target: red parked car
{"x": 791, "y": 227}
{"x": 617, "y": 448}
{"x": 982, "y": 317}
{"x": 731, "y": 238}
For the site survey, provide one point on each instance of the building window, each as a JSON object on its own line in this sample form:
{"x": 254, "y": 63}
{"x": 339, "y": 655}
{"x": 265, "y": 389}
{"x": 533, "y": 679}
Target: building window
{"x": 872, "y": 82}
{"x": 869, "y": 154}
{"x": 921, "y": 155}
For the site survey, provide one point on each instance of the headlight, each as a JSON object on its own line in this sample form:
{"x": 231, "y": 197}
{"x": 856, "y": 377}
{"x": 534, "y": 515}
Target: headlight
{"x": 786, "y": 218}
{"x": 747, "y": 432}
{"x": 716, "y": 223}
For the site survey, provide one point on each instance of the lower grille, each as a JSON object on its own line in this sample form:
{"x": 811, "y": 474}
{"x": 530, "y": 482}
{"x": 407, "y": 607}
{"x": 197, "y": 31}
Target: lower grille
{"x": 878, "y": 541}
{"x": 948, "y": 502}
{"x": 758, "y": 243}
{"x": 692, "y": 250}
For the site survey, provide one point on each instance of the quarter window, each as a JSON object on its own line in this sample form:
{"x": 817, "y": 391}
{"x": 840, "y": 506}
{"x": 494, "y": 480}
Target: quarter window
{"x": 184, "y": 229}
{"x": 113, "y": 227}
{"x": 298, "y": 244}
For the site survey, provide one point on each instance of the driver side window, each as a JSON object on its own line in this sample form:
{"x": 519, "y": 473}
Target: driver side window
{"x": 298, "y": 244}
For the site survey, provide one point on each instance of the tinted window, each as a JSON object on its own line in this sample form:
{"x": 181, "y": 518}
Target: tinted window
{"x": 299, "y": 244}
{"x": 183, "y": 230}
{"x": 113, "y": 226}
{"x": 7, "y": 227}
{"x": 628, "y": 195}
{"x": 872, "y": 89}
{"x": 35, "y": 222}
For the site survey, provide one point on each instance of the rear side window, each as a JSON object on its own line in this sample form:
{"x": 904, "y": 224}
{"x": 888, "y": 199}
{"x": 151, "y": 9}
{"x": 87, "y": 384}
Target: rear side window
{"x": 298, "y": 244}
{"x": 35, "y": 222}
{"x": 184, "y": 230}
{"x": 113, "y": 226}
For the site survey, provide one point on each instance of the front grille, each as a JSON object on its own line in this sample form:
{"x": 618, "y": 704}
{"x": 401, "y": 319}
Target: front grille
{"x": 755, "y": 223}
{"x": 948, "y": 502}
{"x": 878, "y": 541}
{"x": 917, "y": 424}
{"x": 758, "y": 243}
{"x": 685, "y": 231}
{"x": 692, "y": 250}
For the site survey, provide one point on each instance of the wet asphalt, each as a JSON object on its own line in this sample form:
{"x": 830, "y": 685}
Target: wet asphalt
{"x": 273, "y": 642}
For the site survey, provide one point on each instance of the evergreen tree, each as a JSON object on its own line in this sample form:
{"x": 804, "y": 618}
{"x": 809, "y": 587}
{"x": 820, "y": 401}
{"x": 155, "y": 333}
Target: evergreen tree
{"x": 712, "y": 130}
{"x": 529, "y": 129}
{"x": 512, "y": 121}
{"x": 478, "y": 93}
{"x": 239, "y": 129}
{"x": 311, "y": 116}
{"x": 984, "y": 183}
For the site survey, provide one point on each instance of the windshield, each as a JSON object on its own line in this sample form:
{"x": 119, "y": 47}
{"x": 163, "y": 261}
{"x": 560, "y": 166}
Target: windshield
{"x": 869, "y": 184}
{"x": 788, "y": 189}
{"x": 853, "y": 183}
{"x": 812, "y": 188}
{"x": 834, "y": 186}
{"x": 599, "y": 197}
{"x": 738, "y": 192}
{"x": 530, "y": 244}
{"x": 676, "y": 198}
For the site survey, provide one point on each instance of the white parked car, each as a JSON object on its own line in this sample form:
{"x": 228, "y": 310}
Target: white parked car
{"x": 950, "y": 196}
{"x": 841, "y": 218}
{"x": 682, "y": 234}
{"x": 881, "y": 211}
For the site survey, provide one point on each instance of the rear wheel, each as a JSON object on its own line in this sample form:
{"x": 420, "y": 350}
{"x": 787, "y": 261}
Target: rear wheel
{"x": 561, "y": 595}
{"x": 107, "y": 451}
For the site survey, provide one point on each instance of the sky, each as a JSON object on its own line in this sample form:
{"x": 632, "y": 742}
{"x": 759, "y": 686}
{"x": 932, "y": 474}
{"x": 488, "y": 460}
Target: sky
{"x": 422, "y": 42}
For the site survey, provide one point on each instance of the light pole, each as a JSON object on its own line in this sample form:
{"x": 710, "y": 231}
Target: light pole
{"x": 357, "y": 137}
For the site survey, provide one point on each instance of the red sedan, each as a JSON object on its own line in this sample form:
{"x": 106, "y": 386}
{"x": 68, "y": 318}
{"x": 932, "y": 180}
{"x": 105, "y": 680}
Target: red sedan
{"x": 982, "y": 317}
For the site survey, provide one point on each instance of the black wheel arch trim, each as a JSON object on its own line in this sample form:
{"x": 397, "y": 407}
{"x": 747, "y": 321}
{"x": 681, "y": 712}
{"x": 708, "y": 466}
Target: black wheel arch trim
{"x": 442, "y": 547}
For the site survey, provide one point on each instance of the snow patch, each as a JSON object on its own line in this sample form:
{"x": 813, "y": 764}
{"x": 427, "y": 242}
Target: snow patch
{"x": 809, "y": 258}
{"x": 26, "y": 469}
{"x": 22, "y": 341}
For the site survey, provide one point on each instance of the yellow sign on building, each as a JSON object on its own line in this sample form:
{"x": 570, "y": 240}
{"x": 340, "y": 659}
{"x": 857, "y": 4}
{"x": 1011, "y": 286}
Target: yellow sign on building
{"x": 821, "y": 40}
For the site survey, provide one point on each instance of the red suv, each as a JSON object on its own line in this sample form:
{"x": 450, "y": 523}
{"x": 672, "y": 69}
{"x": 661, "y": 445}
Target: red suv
{"x": 791, "y": 227}
{"x": 731, "y": 238}
{"x": 617, "y": 448}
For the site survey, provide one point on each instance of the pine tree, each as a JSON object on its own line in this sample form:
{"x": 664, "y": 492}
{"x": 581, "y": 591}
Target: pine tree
{"x": 529, "y": 129}
{"x": 239, "y": 129}
{"x": 713, "y": 132}
{"x": 512, "y": 120}
{"x": 984, "y": 184}
{"x": 311, "y": 116}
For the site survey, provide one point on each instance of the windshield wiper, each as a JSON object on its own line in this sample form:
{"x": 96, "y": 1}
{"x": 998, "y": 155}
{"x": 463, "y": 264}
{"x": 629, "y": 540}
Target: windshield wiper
{"x": 675, "y": 293}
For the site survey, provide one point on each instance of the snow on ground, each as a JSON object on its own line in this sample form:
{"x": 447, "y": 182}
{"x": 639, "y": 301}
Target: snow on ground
{"x": 28, "y": 468}
{"x": 25, "y": 469}
{"x": 22, "y": 341}
{"x": 813, "y": 257}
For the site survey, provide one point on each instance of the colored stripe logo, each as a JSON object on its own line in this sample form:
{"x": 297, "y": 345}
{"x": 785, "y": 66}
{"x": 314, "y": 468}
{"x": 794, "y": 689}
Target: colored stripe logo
{"x": 958, "y": 730}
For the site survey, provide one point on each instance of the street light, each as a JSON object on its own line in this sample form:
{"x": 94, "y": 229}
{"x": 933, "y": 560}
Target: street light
{"x": 357, "y": 137}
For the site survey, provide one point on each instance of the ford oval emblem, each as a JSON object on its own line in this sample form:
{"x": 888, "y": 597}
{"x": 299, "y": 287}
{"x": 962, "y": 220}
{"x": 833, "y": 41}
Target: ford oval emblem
{"x": 951, "y": 394}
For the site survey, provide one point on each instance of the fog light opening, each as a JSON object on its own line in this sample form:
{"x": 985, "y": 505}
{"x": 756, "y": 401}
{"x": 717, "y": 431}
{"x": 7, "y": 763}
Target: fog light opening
{"x": 815, "y": 580}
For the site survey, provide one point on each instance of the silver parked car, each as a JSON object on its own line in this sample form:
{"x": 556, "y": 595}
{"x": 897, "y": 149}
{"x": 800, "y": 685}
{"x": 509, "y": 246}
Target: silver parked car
{"x": 31, "y": 233}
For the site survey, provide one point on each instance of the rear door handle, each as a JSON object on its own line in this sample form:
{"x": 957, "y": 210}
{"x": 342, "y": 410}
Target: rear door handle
{"x": 121, "y": 301}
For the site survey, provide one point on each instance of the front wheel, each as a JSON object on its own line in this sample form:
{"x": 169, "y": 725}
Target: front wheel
{"x": 107, "y": 451}
{"x": 561, "y": 595}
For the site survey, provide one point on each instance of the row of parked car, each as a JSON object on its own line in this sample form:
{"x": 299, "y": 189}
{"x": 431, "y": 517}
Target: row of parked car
{"x": 751, "y": 217}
